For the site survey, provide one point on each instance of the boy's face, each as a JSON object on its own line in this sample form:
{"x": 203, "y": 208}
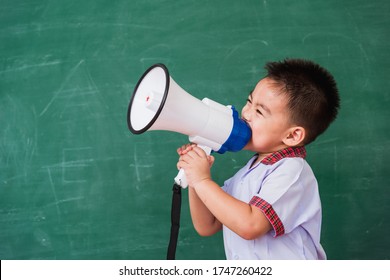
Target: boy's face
{"x": 267, "y": 114}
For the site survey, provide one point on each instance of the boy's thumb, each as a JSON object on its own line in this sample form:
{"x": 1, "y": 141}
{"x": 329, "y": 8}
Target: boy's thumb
{"x": 211, "y": 160}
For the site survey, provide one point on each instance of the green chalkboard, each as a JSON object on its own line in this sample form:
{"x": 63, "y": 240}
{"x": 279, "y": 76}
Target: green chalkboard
{"x": 76, "y": 184}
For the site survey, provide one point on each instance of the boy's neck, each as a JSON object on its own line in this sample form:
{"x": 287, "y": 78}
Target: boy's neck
{"x": 262, "y": 156}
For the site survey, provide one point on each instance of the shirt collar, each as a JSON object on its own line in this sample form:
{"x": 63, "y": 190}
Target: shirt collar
{"x": 289, "y": 152}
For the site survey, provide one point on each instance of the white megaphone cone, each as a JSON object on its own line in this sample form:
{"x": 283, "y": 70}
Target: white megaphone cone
{"x": 158, "y": 103}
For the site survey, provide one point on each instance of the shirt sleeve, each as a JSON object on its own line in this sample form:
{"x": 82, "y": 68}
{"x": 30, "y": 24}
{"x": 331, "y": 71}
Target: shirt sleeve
{"x": 288, "y": 195}
{"x": 270, "y": 213}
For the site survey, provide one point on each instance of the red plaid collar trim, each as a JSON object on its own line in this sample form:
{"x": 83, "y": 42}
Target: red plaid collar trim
{"x": 285, "y": 153}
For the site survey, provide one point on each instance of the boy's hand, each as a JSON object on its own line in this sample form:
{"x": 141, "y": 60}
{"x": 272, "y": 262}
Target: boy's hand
{"x": 195, "y": 162}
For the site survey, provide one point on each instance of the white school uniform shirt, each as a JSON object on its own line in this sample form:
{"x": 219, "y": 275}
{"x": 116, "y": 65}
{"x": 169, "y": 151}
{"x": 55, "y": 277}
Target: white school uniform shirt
{"x": 285, "y": 189}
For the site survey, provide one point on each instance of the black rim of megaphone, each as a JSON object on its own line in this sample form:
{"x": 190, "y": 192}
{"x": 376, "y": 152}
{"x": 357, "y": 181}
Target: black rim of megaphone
{"x": 162, "y": 66}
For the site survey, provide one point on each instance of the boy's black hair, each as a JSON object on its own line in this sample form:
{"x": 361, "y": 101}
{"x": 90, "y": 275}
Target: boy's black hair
{"x": 312, "y": 93}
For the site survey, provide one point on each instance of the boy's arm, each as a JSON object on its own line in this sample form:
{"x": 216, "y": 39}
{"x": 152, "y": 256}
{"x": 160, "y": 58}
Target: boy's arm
{"x": 244, "y": 219}
{"x": 204, "y": 221}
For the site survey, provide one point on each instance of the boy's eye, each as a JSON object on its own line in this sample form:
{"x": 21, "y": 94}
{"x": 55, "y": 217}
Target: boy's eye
{"x": 249, "y": 101}
{"x": 258, "y": 112}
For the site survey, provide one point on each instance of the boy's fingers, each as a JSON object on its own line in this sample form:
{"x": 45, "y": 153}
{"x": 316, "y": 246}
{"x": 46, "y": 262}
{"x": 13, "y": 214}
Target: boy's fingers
{"x": 199, "y": 151}
{"x": 185, "y": 148}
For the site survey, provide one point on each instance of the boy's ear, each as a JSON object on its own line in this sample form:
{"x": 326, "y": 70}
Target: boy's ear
{"x": 295, "y": 136}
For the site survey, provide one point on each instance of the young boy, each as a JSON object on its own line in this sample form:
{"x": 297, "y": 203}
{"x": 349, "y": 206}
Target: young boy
{"x": 271, "y": 208}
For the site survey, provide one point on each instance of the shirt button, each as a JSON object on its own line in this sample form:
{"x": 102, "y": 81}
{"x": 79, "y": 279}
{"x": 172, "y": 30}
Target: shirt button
{"x": 236, "y": 257}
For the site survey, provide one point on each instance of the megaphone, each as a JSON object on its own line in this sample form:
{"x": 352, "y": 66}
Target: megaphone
{"x": 158, "y": 103}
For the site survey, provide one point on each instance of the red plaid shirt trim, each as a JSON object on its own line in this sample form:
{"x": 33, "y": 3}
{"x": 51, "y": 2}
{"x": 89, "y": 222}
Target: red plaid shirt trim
{"x": 287, "y": 152}
{"x": 270, "y": 213}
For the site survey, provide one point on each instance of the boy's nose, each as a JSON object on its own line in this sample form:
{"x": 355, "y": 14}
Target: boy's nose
{"x": 245, "y": 114}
